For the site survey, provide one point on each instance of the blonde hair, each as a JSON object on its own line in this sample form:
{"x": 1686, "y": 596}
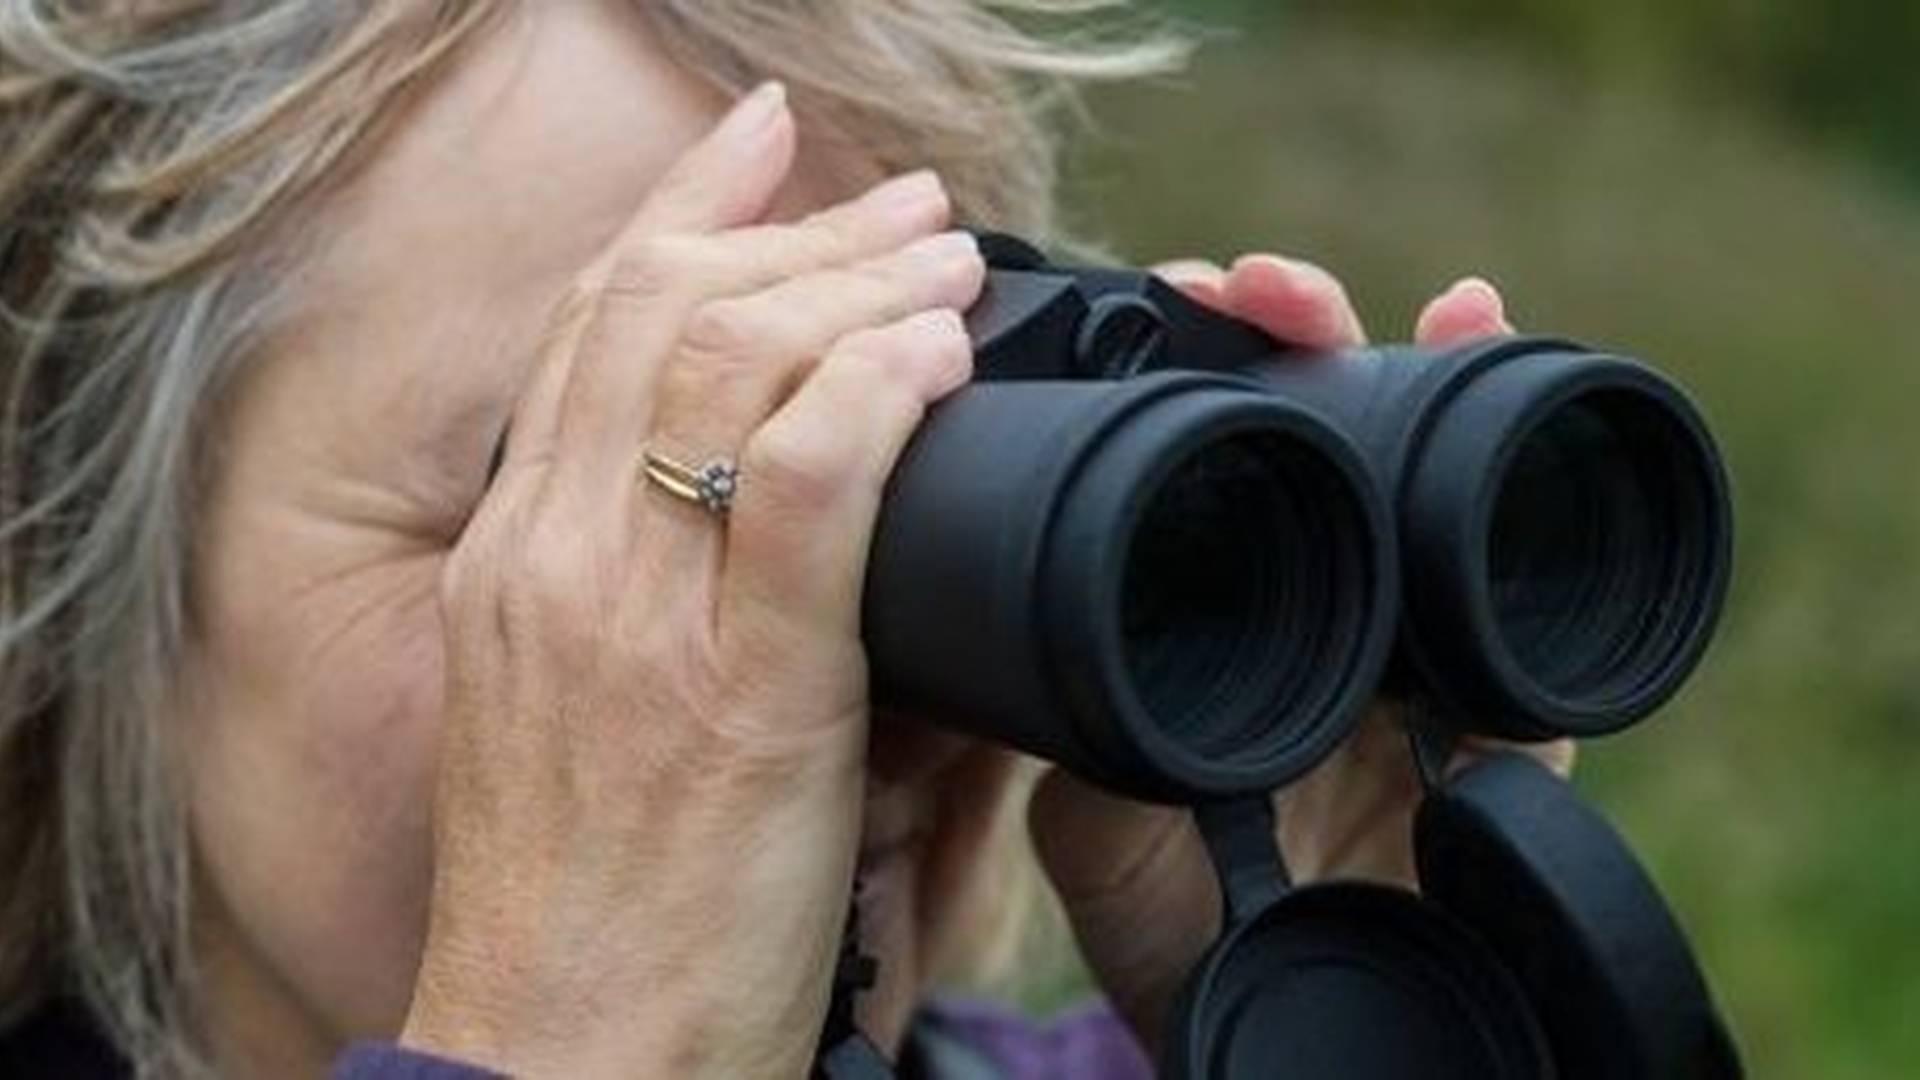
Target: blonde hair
{"x": 154, "y": 156}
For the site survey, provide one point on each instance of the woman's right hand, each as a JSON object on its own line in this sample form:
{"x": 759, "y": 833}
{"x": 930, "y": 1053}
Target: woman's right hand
{"x": 652, "y": 762}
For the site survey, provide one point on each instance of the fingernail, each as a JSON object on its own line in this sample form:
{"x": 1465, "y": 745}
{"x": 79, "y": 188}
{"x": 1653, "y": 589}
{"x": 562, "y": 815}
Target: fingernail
{"x": 944, "y": 247}
{"x": 910, "y": 192}
{"x": 1484, "y": 290}
{"x": 1477, "y": 284}
{"x": 1298, "y": 269}
{"x": 1277, "y": 262}
{"x": 755, "y": 112}
{"x": 1300, "y": 273}
{"x": 1188, "y": 271}
{"x": 1318, "y": 280}
{"x": 951, "y": 366}
{"x": 944, "y": 320}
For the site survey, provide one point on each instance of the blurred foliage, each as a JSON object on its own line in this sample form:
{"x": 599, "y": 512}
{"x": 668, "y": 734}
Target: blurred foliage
{"x": 1778, "y": 800}
{"x": 1842, "y": 71}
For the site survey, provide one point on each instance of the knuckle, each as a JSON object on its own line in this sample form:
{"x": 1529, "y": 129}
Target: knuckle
{"x": 902, "y": 290}
{"x": 793, "y": 466}
{"x": 920, "y": 355}
{"x": 947, "y": 341}
{"x": 733, "y": 330}
{"x": 674, "y": 649}
{"x": 868, "y": 285}
{"x": 934, "y": 328}
{"x": 550, "y": 574}
{"x": 864, "y": 295}
{"x": 946, "y": 256}
{"x": 827, "y": 238}
{"x": 822, "y": 242}
{"x": 868, "y": 345}
{"x": 651, "y": 265}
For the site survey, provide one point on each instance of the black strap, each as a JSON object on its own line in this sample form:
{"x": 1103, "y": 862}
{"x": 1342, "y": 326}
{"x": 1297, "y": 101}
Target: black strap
{"x": 845, "y": 1053}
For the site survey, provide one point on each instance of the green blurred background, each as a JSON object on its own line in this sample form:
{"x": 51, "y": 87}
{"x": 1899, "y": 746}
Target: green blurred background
{"x": 1730, "y": 188}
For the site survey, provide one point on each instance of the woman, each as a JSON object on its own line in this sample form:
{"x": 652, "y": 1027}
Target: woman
{"x": 324, "y": 723}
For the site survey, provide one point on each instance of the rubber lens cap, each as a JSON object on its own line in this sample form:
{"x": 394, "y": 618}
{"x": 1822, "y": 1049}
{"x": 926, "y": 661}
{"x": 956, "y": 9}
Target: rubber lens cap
{"x": 1355, "y": 982}
{"x": 1510, "y": 850}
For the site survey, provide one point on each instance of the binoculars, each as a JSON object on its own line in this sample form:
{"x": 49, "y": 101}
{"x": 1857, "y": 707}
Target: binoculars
{"x": 1155, "y": 546}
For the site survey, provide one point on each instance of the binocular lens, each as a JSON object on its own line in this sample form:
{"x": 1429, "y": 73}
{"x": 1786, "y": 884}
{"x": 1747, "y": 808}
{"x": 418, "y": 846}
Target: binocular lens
{"x": 1568, "y": 540}
{"x": 1177, "y": 584}
{"x": 1601, "y": 546}
{"x": 1228, "y": 613}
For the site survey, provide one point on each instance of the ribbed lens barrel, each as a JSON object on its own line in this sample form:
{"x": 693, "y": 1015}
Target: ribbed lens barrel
{"x": 1217, "y": 590}
{"x": 1229, "y": 599}
{"x": 1599, "y": 541}
{"x": 1178, "y": 585}
{"x": 1569, "y": 539}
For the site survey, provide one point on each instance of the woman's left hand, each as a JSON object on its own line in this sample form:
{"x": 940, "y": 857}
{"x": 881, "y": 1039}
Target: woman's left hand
{"x": 1134, "y": 878}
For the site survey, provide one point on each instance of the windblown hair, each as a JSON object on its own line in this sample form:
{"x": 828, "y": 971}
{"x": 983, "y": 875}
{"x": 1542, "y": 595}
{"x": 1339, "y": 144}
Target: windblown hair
{"x": 156, "y": 157}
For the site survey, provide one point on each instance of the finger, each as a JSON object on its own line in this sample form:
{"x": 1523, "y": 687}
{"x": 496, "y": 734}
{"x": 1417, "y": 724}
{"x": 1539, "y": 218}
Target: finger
{"x": 729, "y": 177}
{"x": 755, "y": 256}
{"x": 1471, "y": 309}
{"x": 1136, "y": 885}
{"x": 656, "y": 283}
{"x": 1201, "y": 280}
{"x": 741, "y": 356}
{"x": 529, "y": 436}
{"x": 811, "y": 478}
{"x": 1100, "y": 849}
{"x": 1352, "y": 816}
{"x": 726, "y": 178}
{"x": 1294, "y": 301}
{"x": 1557, "y": 755}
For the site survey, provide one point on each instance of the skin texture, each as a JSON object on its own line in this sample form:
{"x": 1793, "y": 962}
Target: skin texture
{"x": 559, "y": 774}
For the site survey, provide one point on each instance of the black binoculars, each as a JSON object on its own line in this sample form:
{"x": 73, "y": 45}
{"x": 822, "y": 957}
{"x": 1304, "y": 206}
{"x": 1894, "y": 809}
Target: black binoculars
{"x": 1157, "y": 547}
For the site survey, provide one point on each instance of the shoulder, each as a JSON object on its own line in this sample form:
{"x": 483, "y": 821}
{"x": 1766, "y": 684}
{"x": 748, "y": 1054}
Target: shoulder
{"x": 966, "y": 1039}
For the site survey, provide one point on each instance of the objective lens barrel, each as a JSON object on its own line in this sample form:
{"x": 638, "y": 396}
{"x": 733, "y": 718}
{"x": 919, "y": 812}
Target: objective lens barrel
{"x": 1565, "y": 526}
{"x": 1178, "y": 585}
{"x": 1157, "y": 547}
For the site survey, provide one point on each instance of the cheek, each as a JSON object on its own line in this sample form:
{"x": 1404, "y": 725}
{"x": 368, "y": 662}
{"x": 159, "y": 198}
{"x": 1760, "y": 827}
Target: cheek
{"x": 312, "y": 770}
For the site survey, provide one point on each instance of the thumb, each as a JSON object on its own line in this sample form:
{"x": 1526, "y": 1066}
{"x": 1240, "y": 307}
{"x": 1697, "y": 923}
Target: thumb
{"x": 1137, "y": 887}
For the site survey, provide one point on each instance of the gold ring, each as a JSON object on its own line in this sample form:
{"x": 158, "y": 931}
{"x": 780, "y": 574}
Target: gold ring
{"x": 710, "y": 485}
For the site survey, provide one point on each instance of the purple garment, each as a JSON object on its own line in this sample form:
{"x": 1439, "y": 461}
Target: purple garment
{"x": 953, "y": 1040}
{"x": 1086, "y": 1043}
{"x": 384, "y": 1061}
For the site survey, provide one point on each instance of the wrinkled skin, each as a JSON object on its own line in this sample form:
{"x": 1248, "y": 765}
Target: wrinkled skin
{"x": 559, "y": 773}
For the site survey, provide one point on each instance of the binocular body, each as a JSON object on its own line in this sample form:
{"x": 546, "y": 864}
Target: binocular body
{"x": 1157, "y": 547}
{"x": 1154, "y": 545}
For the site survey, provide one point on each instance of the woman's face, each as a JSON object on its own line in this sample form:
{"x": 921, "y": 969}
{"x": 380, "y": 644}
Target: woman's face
{"x": 350, "y": 458}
